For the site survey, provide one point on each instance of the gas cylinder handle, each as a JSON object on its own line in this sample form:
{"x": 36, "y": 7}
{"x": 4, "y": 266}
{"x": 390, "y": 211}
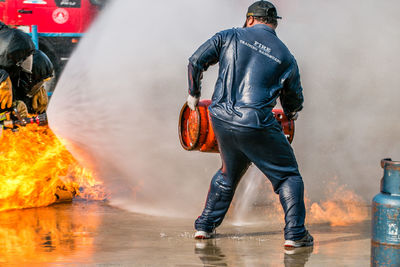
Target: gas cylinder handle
{"x": 388, "y": 161}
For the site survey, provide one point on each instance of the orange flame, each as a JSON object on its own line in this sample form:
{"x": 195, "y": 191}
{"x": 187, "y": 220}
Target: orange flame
{"x": 342, "y": 207}
{"x": 37, "y": 170}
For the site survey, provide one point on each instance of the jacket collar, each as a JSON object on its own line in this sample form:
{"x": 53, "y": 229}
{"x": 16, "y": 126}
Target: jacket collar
{"x": 265, "y": 27}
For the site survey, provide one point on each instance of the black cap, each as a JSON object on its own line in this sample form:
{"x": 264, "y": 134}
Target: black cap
{"x": 262, "y": 9}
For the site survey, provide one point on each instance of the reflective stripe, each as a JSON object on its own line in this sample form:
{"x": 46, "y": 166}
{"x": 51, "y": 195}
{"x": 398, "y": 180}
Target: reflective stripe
{"x": 59, "y": 34}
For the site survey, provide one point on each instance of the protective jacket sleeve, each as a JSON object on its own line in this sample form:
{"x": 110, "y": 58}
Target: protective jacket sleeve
{"x": 205, "y": 56}
{"x": 292, "y": 92}
{"x": 3, "y": 75}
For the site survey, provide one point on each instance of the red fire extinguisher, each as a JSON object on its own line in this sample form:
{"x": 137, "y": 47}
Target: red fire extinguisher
{"x": 196, "y": 132}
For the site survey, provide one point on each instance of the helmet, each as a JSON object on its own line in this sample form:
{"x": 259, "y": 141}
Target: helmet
{"x": 42, "y": 69}
{"x": 15, "y": 47}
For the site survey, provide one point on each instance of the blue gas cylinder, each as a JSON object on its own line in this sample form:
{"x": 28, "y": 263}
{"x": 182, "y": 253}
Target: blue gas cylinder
{"x": 385, "y": 245}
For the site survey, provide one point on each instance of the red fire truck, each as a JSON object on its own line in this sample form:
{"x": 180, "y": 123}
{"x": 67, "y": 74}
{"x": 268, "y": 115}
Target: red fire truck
{"x": 55, "y": 25}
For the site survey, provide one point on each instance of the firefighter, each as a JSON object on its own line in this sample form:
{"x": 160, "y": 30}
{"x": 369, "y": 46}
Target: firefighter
{"x": 255, "y": 68}
{"x": 16, "y": 48}
{"x": 31, "y": 85}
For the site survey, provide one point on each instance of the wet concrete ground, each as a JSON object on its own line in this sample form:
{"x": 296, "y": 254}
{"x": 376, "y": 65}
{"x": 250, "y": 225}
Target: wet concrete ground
{"x": 96, "y": 234}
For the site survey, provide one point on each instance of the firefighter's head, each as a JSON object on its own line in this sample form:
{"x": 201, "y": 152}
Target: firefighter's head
{"x": 262, "y": 12}
{"x": 42, "y": 70}
{"x": 15, "y": 49}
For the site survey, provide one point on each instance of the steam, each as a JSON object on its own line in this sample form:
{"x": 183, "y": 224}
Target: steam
{"x": 119, "y": 98}
{"x": 347, "y": 54}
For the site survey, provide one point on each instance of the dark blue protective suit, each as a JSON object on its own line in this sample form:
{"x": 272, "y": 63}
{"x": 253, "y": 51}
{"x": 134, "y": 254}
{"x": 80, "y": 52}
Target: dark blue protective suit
{"x": 15, "y": 46}
{"x": 255, "y": 68}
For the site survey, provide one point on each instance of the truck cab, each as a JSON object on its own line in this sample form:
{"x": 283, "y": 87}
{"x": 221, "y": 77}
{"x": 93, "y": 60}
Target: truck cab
{"x": 59, "y": 24}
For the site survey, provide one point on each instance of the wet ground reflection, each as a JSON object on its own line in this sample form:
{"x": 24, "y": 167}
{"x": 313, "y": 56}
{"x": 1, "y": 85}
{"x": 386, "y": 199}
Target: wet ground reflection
{"x": 211, "y": 254}
{"x": 96, "y": 234}
{"x": 297, "y": 257}
{"x": 48, "y": 234}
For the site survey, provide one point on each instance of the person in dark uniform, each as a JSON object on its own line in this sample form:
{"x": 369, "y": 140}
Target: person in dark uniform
{"x": 255, "y": 69}
{"x": 31, "y": 85}
{"x": 23, "y": 71}
{"x": 16, "y": 48}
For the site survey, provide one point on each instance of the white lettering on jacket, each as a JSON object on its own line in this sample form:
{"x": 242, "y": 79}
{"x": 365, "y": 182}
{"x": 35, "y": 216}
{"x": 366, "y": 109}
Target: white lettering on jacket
{"x": 262, "y": 49}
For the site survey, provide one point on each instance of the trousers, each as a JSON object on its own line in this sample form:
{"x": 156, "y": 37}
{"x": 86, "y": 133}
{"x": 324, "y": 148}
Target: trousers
{"x": 270, "y": 151}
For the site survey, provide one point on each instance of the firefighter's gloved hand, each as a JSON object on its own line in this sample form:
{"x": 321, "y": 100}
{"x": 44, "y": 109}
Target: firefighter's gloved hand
{"x": 21, "y": 108}
{"x": 6, "y": 94}
{"x": 40, "y": 101}
{"x": 192, "y": 102}
{"x": 293, "y": 116}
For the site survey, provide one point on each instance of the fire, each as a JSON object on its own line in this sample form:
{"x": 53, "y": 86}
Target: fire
{"x": 37, "y": 170}
{"x": 342, "y": 207}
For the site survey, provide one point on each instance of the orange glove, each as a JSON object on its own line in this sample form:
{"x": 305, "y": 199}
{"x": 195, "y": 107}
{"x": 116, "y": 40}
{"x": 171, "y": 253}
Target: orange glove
{"x": 6, "y": 94}
{"x": 21, "y": 108}
{"x": 40, "y": 101}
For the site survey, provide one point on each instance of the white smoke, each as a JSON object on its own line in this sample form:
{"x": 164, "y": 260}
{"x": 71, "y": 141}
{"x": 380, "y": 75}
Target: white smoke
{"x": 347, "y": 53}
{"x": 119, "y": 97}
